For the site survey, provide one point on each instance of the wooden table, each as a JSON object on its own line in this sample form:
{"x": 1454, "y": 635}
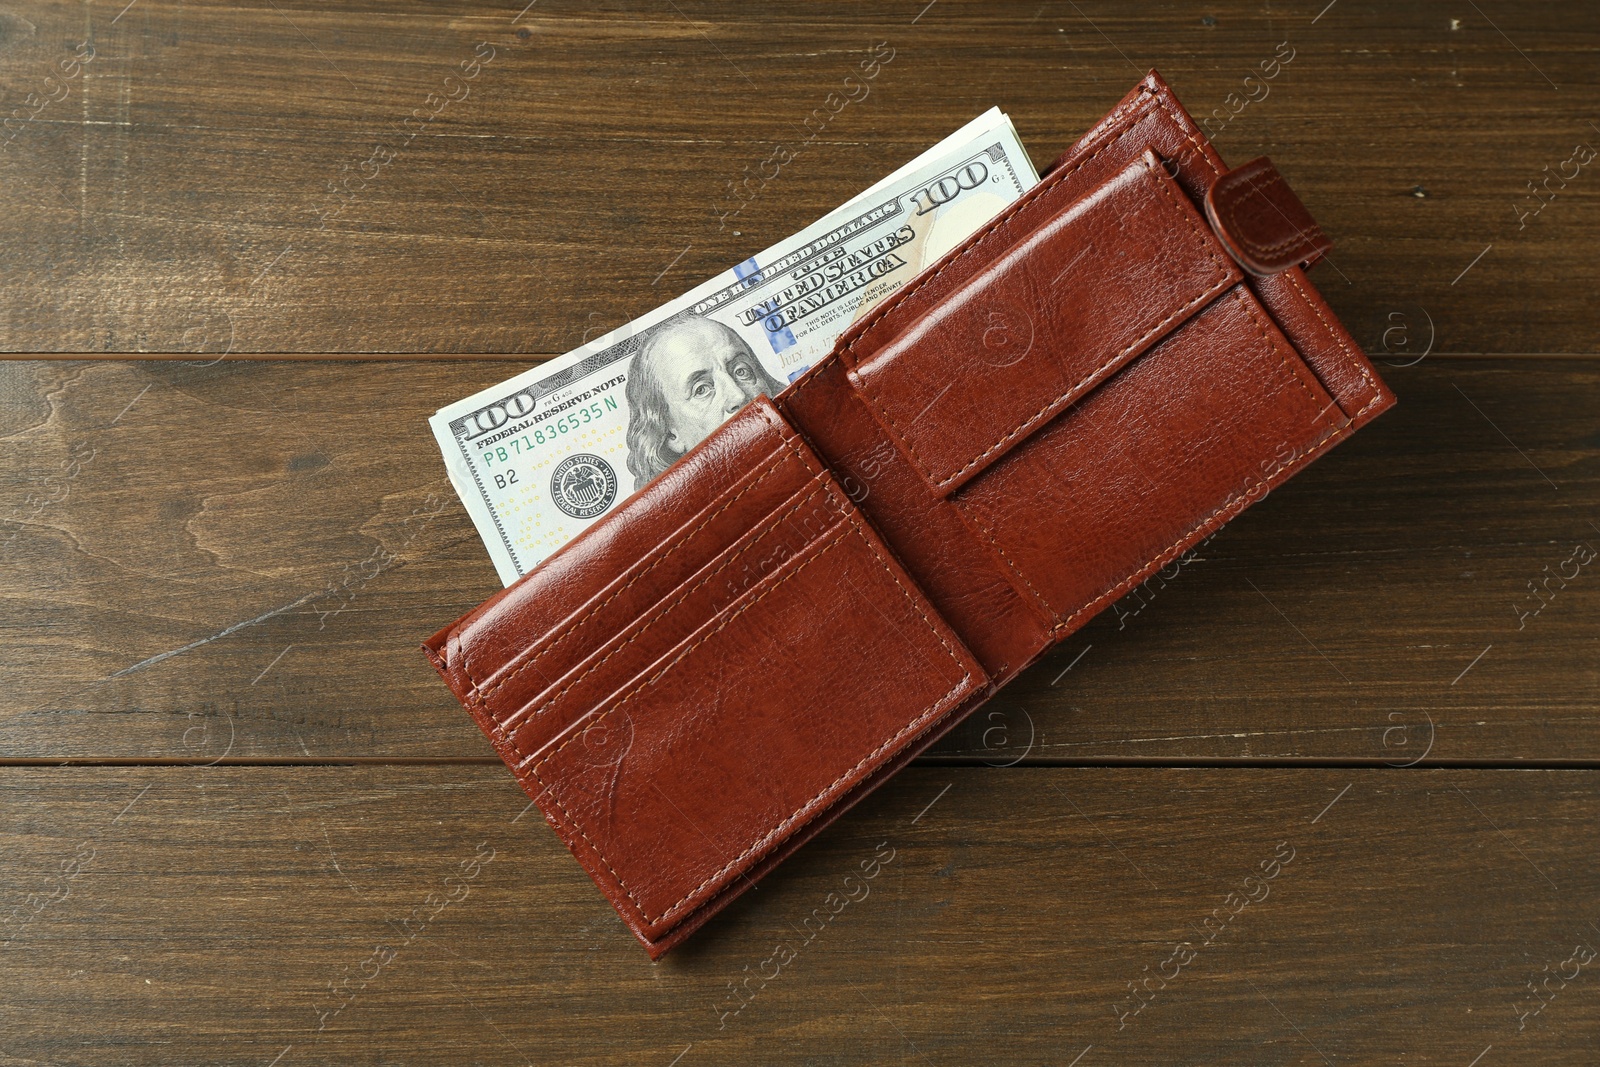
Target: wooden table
{"x": 233, "y": 791}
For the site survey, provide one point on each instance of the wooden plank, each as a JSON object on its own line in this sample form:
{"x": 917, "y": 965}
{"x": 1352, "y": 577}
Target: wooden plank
{"x": 223, "y": 915}
{"x": 173, "y": 200}
{"x": 239, "y": 560}
{"x": 218, "y": 562}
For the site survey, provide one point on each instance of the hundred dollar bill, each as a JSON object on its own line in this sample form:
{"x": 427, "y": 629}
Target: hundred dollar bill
{"x": 538, "y": 458}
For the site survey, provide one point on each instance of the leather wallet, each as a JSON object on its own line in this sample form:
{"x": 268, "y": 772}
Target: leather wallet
{"x": 1125, "y": 359}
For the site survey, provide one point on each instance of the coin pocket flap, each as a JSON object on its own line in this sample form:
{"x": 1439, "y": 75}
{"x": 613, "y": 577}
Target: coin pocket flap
{"x": 1044, "y": 323}
{"x": 1225, "y": 409}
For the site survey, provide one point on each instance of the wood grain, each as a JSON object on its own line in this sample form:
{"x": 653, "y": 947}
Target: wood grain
{"x": 242, "y": 563}
{"x": 212, "y": 911}
{"x": 218, "y": 571}
{"x": 173, "y": 200}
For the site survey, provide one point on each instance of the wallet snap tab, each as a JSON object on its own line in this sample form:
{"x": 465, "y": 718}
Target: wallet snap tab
{"x": 1260, "y": 221}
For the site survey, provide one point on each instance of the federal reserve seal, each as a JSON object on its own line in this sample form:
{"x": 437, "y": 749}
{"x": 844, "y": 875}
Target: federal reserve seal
{"x": 583, "y": 485}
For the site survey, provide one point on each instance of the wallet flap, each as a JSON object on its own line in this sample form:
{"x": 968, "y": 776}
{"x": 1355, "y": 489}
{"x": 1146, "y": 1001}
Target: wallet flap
{"x": 1044, "y": 323}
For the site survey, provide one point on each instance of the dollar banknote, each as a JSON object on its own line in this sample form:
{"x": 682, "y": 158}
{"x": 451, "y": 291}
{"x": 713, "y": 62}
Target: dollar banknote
{"x": 539, "y": 457}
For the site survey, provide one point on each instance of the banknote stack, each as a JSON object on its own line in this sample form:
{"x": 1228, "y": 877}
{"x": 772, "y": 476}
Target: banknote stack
{"x": 538, "y": 458}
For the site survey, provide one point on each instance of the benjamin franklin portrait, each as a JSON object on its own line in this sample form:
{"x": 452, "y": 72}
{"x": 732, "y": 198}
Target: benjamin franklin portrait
{"x": 690, "y": 375}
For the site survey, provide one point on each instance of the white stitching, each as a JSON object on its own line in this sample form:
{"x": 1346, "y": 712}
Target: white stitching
{"x": 1358, "y": 361}
{"x": 1226, "y": 185}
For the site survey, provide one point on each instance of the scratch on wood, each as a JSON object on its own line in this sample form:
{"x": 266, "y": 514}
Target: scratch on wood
{"x": 1507, "y": 838}
{"x": 235, "y": 628}
{"x": 131, "y": 803}
{"x": 1331, "y": 803}
{"x": 931, "y": 803}
{"x": 336, "y": 866}
{"x": 132, "y": 402}
{"x": 1473, "y": 664}
{"x": 271, "y": 665}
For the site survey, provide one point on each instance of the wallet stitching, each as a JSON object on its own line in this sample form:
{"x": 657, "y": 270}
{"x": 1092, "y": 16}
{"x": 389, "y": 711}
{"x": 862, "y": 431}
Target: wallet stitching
{"x": 1130, "y": 582}
{"x": 660, "y": 611}
{"x": 1359, "y": 362}
{"x": 1189, "y": 135}
{"x": 1368, "y": 405}
{"x": 1276, "y": 349}
{"x": 803, "y": 810}
{"x": 1014, "y": 568}
{"x": 771, "y": 463}
{"x": 850, "y": 513}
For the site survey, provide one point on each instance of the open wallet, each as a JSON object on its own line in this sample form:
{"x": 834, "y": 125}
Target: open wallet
{"x": 1096, "y": 380}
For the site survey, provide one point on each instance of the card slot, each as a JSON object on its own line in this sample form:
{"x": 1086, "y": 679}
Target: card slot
{"x": 748, "y": 727}
{"x": 807, "y": 516}
{"x": 677, "y": 547}
{"x": 492, "y": 643}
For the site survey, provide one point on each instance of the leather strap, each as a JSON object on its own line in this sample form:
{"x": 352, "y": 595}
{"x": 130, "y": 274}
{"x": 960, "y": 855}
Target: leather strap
{"x": 1260, "y": 221}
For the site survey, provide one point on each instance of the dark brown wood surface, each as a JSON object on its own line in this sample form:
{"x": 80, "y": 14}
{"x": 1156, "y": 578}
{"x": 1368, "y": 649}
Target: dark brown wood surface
{"x": 174, "y": 200}
{"x": 228, "y": 914}
{"x": 229, "y": 782}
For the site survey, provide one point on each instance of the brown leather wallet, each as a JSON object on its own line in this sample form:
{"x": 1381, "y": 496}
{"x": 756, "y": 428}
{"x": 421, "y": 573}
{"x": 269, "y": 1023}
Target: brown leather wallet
{"x": 1125, "y": 359}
